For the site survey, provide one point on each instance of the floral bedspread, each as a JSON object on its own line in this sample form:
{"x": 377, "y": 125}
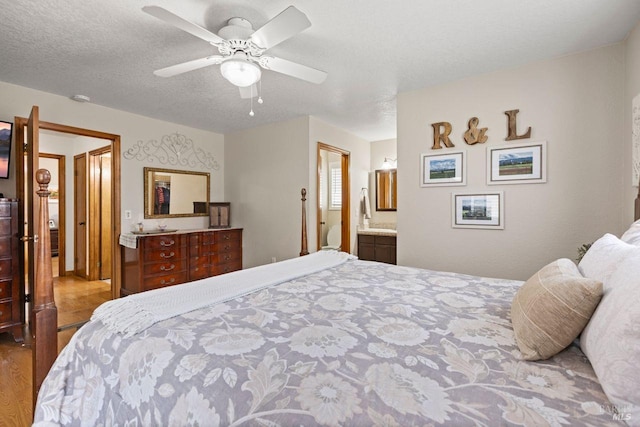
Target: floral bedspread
{"x": 360, "y": 344}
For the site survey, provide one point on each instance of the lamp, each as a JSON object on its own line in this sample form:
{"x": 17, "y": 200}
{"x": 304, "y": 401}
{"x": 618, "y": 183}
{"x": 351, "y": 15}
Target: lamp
{"x": 240, "y": 72}
{"x": 389, "y": 163}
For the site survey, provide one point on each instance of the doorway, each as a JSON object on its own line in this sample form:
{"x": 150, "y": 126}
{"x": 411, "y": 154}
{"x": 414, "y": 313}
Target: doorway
{"x": 333, "y": 226}
{"x": 113, "y": 142}
{"x": 56, "y": 165}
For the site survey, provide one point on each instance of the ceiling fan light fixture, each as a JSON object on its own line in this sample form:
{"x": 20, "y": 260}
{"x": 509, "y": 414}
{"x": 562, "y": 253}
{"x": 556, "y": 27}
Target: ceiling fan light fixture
{"x": 240, "y": 72}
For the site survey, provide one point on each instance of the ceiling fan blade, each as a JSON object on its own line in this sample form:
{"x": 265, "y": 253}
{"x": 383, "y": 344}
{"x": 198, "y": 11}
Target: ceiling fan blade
{"x": 248, "y": 92}
{"x": 189, "y": 66}
{"x": 285, "y": 25}
{"x": 177, "y": 21}
{"x": 293, "y": 69}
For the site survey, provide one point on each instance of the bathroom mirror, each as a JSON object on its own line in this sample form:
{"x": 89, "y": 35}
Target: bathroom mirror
{"x": 386, "y": 190}
{"x": 170, "y": 193}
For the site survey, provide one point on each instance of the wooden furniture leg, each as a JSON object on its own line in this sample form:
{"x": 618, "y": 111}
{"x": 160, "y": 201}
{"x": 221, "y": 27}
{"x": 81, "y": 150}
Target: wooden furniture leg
{"x": 44, "y": 315}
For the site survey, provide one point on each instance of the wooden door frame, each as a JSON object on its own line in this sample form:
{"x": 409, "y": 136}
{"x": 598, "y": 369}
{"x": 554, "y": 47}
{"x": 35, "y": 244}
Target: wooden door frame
{"x": 82, "y": 157}
{"x": 21, "y": 123}
{"x": 94, "y": 225}
{"x": 345, "y": 234}
{"x": 62, "y": 206}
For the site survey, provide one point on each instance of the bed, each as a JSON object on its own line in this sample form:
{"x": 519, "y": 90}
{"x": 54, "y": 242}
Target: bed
{"x": 336, "y": 342}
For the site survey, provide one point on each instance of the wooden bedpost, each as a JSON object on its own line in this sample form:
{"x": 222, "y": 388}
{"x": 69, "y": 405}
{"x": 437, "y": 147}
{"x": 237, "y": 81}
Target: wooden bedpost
{"x": 303, "y": 248}
{"x": 636, "y": 215}
{"x": 44, "y": 315}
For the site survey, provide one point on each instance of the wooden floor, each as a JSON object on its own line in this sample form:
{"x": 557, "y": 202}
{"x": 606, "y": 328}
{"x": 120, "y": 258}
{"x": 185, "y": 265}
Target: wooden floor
{"x": 76, "y": 299}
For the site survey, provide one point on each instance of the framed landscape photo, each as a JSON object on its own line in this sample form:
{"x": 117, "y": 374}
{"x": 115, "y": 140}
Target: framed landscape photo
{"x": 443, "y": 169}
{"x": 480, "y": 210}
{"x": 517, "y": 164}
{"x": 6, "y": 129}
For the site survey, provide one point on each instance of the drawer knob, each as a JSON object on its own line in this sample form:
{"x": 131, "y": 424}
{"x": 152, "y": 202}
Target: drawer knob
{"x": 163, "y": 255}
{"x": 171, "y": 267}
{"x": 163, "y": 282}
{"x": 227, "y": 237}
{"x": 169, "y": 243}
{"x": 226, "y": 248}
{"x": 227, "y": 257}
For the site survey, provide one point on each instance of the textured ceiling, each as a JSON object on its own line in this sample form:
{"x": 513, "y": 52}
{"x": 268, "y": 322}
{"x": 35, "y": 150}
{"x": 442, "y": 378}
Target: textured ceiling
{"x": 371, "y": 50}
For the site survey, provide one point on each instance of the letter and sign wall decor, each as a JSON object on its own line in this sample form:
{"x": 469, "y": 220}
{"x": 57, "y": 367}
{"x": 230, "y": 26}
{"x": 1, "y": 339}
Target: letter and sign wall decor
{"x": 474, "y": 135}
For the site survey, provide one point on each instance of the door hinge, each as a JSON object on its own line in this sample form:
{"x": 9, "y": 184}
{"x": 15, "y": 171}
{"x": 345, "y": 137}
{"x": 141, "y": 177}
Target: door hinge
{"x": 99, "y": 264}
{"x": 27, "y": 298}
{"x": 25, "y": 147}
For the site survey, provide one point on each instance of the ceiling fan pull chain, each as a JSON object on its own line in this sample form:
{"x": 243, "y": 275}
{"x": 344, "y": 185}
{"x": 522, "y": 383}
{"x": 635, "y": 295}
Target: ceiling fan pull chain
{"x": 260, "y": 101}
{"x": 251, "y": 113}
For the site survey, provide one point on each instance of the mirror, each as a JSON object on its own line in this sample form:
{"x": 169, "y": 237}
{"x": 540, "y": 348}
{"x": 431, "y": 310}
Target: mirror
{"x": 386, "y": 190}
{"x": 172, "y": 193}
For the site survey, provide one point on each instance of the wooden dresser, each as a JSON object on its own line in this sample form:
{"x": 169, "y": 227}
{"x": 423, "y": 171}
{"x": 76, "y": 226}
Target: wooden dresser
{"x": 11, "y": 293}
{"x": 170, "y": 259}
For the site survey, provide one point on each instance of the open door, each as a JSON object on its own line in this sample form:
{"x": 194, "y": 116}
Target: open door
{"x": 80, "y": 215}
{"x": 32, "y": 208}
{"x": 333, "y": 192}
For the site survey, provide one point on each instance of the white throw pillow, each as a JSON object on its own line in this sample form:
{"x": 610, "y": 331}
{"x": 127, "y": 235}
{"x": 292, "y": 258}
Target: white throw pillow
{"x": 603, "y": 258}
{"x": 632, "y": 235}
{"x": 611, "y": 339}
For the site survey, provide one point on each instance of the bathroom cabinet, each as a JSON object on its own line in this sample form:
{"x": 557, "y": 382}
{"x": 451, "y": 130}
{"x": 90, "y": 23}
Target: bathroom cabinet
{"x": 377, "y": 248}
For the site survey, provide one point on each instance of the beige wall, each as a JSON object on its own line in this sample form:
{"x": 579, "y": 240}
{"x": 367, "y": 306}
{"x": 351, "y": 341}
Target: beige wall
{"x": 379, "y": 151}
{"x": 575, "y": 103}
{"x": 17, "y": 101}
{"x": 263, "y": 185}
{"x": 632, "y": 89}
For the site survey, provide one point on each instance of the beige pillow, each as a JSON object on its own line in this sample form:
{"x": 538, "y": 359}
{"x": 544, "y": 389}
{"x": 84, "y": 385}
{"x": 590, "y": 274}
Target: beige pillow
{"x": 550, "y": 310}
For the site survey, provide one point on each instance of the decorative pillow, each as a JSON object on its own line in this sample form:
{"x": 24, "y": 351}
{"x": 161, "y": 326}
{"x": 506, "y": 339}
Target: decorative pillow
{"x": 632, "y": 235}
{"x": 550, "y": 310}
{"x": 611, "y": 339}
{"x": 603, "y": 257}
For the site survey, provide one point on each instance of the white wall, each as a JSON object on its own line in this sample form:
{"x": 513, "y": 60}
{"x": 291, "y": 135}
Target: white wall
{"x": 575, "y": 103}
{"x": 632, "y": 89}
{"x": 387, "y": 148}
{"x": 17, "y": 101}
{"x": 270, "y": 167}
{"x": 360, "y": 156}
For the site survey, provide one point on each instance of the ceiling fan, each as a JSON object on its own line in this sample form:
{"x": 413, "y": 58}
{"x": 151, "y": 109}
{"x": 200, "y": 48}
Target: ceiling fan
{"x": 242, "y": 49}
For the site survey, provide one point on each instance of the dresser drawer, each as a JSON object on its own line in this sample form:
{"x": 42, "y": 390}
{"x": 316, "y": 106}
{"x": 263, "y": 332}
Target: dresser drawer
{"x": 226, "y": 268}
{"x": 5, "y": 227}
{"x": 228, "y": 246}
{"x": 168, "y": 254}
{"x": 5, "y": 210}
{"x": 5, "y": 289}
{"x": 164, "y": 242}
{"x": 165, "y": 280}
{"x": 199, "y": 272}
{"x": 224, "y": 257}
{"x": 5, "y": 247}
{"x": 227, "y": 235}
{"x": 5, "y": 312}
{"x": 173, "y": 266}
{"x": 5, "y": 268}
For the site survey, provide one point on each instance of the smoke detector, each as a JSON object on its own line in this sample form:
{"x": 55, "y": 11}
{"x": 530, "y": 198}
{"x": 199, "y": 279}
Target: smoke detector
{"x": 81, "y": 98}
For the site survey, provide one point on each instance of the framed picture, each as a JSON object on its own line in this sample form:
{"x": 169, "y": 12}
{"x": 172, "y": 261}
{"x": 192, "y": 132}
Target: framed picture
{"x": 219, "y": 215}
{"x": 443, "y": 169}
{"x": 517, "y": 164}
{"x": 5, "y": 148}
{"x": 481, "y": 210}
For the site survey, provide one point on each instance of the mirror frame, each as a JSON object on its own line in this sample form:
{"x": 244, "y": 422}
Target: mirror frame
{"x": 376, "y": 178}
{"x": 147, "y": 173}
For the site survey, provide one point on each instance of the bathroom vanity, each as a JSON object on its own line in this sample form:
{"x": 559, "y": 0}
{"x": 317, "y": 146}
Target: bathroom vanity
{"x": 377, "y": 244}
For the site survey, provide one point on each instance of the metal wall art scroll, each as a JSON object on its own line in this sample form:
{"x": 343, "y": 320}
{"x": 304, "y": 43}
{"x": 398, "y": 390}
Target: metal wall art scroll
{"x": 175, "y": 150}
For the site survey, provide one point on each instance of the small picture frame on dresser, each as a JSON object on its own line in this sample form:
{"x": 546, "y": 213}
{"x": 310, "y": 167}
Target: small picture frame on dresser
{"x": 219, "y": 215}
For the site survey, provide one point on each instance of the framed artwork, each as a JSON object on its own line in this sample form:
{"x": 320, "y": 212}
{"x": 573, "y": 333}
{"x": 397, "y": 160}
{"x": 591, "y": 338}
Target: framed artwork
{"x": 443, "y": 169}
{"x": 219, "y": 215}
{"x": 479, "y": 210}
{"x": 5, "y": 148}
{"x": 517, "y": 163}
